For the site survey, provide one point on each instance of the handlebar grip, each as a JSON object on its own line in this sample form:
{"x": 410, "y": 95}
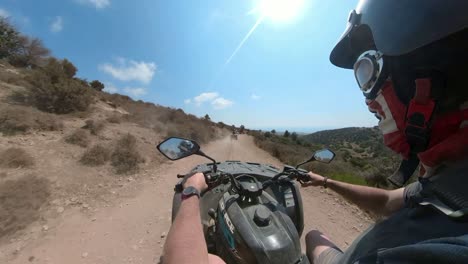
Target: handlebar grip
{"x": 180, "y": 176}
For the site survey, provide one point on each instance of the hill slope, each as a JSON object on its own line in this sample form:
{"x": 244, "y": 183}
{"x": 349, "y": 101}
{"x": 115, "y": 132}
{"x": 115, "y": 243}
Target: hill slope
{"x": 361, "y": 156}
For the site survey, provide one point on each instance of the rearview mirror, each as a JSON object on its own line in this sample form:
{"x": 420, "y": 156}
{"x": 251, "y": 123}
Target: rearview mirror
{"x": 324, "y": 155}
{"x": 177, "y": 148}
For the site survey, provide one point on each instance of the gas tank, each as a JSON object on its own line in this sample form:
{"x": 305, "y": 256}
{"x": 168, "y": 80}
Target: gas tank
{"x": 255, "y": 232}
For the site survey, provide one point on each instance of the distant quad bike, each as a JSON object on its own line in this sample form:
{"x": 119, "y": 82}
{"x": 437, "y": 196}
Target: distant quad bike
{"x": 234, "y": 136}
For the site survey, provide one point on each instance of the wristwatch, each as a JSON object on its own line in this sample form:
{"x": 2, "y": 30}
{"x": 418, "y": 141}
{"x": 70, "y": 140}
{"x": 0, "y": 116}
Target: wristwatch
{"x": 325, "y": 180}
{"x": 189, "y": 192}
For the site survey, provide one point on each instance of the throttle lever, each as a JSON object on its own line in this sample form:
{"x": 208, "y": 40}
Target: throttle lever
{"x": 302, "y": 177}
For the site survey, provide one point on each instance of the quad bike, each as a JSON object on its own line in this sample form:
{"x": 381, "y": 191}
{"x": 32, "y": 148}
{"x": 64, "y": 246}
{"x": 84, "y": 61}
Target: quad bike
{"x": 251, "y": 212}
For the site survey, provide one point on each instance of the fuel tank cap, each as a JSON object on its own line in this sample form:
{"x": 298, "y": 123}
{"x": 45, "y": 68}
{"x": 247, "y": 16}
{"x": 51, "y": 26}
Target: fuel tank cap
{"x": 262, "y": 216}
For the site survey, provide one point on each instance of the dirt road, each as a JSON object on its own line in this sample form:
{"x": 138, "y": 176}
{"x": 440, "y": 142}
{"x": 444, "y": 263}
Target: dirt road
{"x": 132, "y": 228}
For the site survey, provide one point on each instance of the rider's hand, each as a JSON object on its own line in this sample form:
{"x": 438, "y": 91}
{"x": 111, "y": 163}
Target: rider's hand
{"x": 198, "y": 181}
{"x": 314, "y": 180}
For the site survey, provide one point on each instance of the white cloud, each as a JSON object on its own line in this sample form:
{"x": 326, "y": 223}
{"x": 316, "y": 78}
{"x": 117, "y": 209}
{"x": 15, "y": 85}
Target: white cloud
{"x": 4, "y": 13}
{"x": 255, "y": 97}
{"x": 110, "y": 88}
{"x": 57, "y": 24}
{"x": 99, "y": 4}
{"x": 221, "y": 103}
{"x": 132, "y": 91}
{"x": 212, "y": 98}
{"x": 135, "y": 92}
{"x": 205, "y": 97}
{"x": 130, "y": 70}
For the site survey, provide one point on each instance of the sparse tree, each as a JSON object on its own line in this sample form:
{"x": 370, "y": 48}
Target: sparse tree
{"x": 97, "y": 85}
{"x": 286, "y": 134}
{"x": 267, "y": 134}
{"x": 29, "y": 53}
{"x": 68, "y": 68}
{"x": 207, "y": 117}
{"x": 9, "y": 38}
{"x": 273, "y": 132}
{"x": 241, "y": 129}
{"x": 36, "y": 52}
{"x": 294, "y": 136}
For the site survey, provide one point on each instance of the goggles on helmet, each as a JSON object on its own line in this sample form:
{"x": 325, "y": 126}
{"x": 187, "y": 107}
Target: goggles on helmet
{"x": 369, "y": 72}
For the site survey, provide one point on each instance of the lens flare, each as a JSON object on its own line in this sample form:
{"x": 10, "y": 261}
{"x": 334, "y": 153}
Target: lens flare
{"x": 281, "y": 10}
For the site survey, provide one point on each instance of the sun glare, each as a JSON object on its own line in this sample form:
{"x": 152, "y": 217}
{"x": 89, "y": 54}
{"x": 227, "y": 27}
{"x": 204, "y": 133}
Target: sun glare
{"x": 280, "y": 10}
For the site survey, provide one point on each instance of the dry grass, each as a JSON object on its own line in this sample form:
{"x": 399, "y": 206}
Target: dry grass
{"x": 96, "y": 156}
{"x": 15, "y": 158}
{"x": 125, "y": 157}
{"x": 12, "y": 76}
{"x": 79, "y": 137}
{"x": 165, "y": 120}
{"x": 21, "y": 119}
{"x": 20, "y": 202}
{"x": 94, "y": 126}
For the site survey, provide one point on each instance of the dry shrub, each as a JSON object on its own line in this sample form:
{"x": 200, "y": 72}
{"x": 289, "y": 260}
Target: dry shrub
{"x": 20, "y": 119}
{"x": 20, "y": 202}
{"x": 62, "y": 96}
{"x": 95, "y": 156}
{"x": 15, "y": 158}
{"x": 79, "y": 137}
{"x": 125, "y": 156}
{"x": 114, "y": 119}
{"x": 54, "y": 89}
{"x": 94, "y": 126}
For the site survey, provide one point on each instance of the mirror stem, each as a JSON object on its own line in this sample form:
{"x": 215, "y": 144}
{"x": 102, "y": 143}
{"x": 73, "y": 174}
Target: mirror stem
{"x": 200, "y": 153}
{"x": 307, "y": 161}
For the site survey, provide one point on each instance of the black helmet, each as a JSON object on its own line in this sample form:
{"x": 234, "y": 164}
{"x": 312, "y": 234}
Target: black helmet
{"x": 395, "y": 27}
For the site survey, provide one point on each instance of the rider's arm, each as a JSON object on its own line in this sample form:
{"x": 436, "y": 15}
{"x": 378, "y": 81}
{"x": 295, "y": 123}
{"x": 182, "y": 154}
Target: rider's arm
{"x": 379, "y": 201}
{"x": 185, "y": 242}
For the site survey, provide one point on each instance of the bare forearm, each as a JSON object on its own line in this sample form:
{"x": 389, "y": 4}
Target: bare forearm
{"x": 376, "y": 200}
{"x": 185, "y": 242}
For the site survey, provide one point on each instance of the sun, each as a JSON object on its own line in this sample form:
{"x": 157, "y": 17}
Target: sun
{"x": 280, "y": 10}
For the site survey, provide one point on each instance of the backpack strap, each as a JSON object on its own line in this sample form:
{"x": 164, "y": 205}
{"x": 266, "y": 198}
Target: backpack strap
{"x": 418, "y": 127}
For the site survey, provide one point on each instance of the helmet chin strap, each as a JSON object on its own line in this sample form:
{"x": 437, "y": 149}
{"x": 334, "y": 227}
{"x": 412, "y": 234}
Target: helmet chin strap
{"x": 418, "y": 130}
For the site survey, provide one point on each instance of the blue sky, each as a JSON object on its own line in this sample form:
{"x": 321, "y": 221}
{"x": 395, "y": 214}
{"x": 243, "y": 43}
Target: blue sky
{"x": 174, "y": 53}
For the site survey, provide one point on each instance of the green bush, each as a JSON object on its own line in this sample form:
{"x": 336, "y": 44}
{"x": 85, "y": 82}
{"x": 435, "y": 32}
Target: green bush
{"x": 97, "y": 85}
{"x": 349, "y": 178}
